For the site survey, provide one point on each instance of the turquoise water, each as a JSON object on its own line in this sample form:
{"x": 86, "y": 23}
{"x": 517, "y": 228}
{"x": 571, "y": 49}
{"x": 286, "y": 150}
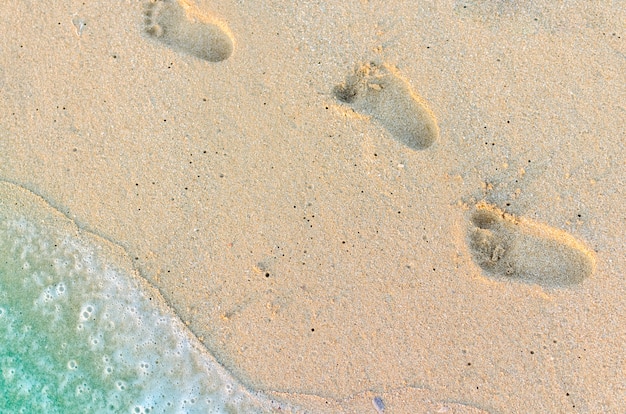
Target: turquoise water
{"x": 79, "y": 332}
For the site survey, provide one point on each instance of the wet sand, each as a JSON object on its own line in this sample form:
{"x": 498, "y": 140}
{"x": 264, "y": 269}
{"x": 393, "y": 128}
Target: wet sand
{"x": 318, "y": 256}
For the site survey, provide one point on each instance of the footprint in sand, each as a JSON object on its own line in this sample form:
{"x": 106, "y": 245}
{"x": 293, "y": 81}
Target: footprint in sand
{"x": 378, "y": 91}
{"x": 508, "y": 247}
{"x": 181, "y": 26}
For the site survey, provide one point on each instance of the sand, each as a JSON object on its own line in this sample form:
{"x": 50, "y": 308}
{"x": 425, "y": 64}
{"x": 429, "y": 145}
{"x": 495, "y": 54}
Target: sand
{"x": 319, "y": 257}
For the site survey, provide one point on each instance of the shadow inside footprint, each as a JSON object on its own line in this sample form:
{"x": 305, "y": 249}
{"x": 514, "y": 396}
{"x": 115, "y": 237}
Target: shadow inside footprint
{"x": 181, "y": 26}
{"x": 517, "y": 248}
{"x": 378, "y": 91}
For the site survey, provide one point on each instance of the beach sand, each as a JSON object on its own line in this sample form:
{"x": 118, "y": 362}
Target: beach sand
{"x": 416, "y": 201}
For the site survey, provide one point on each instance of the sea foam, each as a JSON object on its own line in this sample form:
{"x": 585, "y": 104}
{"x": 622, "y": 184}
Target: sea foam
{"x": 81, "y": 331}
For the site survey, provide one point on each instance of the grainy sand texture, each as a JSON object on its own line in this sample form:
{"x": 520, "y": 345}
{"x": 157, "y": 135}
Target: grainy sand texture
{"x": 355, "y": 206}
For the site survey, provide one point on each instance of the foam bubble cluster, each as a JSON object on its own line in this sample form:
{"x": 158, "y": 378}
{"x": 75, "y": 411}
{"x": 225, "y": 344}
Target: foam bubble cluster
{"x": 82, "y": 334}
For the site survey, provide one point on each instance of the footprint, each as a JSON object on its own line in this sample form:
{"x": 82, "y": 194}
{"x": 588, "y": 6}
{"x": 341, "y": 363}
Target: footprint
{"x": 181, "y": 26}
{"x": 378, "y": 91}
{"x": 508, "y": 247}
